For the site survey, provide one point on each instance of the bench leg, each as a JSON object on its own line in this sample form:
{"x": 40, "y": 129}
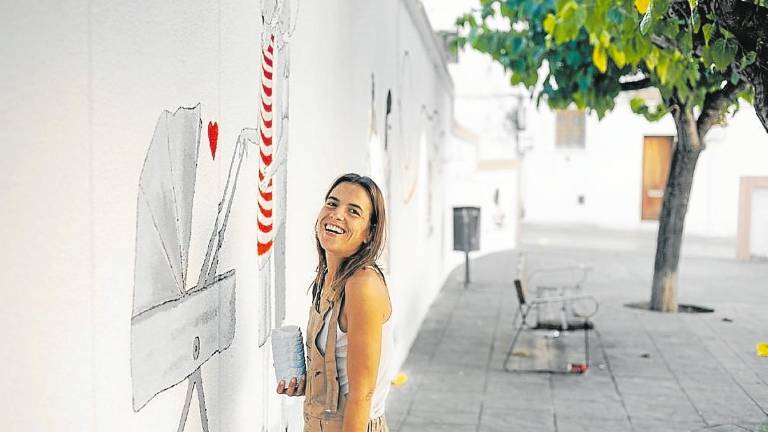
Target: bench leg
{"x": 586, "y": 342}
{"x": 523, "y": 314}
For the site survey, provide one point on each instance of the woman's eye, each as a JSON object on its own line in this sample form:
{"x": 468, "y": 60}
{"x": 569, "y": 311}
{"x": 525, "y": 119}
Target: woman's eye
{"x": 355, "y": 212}
{"x": 330, "y": 204}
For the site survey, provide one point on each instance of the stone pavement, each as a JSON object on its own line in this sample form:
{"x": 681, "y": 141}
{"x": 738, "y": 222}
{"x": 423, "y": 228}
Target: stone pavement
{"x": 650, "y": 371}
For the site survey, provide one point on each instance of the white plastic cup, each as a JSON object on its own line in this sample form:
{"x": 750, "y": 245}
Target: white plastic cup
{"x": 288, "y": 353}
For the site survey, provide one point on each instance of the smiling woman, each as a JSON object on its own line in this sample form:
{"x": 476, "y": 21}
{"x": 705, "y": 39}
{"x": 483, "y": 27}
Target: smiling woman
{"x": 349, "y": 336}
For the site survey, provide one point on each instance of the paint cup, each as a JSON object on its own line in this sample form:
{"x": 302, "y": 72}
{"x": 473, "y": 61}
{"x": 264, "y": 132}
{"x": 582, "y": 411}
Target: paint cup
{"x": 288, "y": 353}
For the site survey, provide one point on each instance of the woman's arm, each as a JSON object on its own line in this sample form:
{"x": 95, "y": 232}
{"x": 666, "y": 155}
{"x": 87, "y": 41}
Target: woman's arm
{"x": 366, "y": 307}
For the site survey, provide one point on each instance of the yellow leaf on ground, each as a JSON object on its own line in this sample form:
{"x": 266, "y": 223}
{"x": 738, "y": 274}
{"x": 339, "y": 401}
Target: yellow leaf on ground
{"x": 642, "y": 5}
{"x": 599, "y": 58}
{"x": 762, "y": 349}
{"x": 399, "y": 379}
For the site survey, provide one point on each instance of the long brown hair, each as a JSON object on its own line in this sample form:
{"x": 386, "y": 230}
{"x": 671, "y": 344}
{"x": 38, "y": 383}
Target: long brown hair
{"x": 368, "y": 253}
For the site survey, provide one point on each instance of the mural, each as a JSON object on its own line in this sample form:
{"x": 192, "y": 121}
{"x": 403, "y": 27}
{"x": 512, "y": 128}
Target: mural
{"x": 409, "y": 163}
{"x": 428, "y": 128}
{"x": 434, "y": 162}
{"x": 387, "y": 184}
{"x": 179, "y": 322}
{"x": 377, "y": 158}
{"x": 273, "y": 148}
{"x": 279, "y": 20}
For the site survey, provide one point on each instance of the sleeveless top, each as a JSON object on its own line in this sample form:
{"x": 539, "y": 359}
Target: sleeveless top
{"x": 385, "y": 372}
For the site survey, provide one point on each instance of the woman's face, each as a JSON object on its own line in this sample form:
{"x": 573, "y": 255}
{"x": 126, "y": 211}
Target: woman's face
{"x": 344, "y": 220}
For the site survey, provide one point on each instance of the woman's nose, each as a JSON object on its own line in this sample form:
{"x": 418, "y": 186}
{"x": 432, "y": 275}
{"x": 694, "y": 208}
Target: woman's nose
{"x": 336, "y": 213}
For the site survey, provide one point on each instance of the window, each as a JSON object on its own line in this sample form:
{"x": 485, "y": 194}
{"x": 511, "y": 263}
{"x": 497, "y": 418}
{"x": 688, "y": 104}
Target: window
{"x": 569, "y": 129}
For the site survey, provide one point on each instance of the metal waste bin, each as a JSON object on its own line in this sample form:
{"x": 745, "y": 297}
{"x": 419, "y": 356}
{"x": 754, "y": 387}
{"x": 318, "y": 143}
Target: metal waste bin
{"x": 466, "y": 233}
{"x": 466, "y": 229}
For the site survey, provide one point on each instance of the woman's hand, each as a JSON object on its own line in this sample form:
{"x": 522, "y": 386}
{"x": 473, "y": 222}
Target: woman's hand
{"x": 293, "y": 388}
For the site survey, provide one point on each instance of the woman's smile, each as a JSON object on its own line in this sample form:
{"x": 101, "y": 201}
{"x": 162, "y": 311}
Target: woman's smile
{"x": 334, "y": 229}
{"x": 343, "y": 222}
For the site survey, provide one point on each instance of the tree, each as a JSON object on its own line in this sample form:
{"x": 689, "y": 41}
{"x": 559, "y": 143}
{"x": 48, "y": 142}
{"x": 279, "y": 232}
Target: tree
{"x": 585, "y": 52}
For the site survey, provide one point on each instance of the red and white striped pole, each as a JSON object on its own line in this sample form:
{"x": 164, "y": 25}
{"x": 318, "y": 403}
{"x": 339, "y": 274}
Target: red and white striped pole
{"x": 264, "y": 218}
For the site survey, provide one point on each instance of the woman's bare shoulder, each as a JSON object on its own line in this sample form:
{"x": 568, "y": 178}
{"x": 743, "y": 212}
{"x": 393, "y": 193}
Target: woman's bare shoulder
{"x": 367, "y": 286}
{"x": 367, "y": 278}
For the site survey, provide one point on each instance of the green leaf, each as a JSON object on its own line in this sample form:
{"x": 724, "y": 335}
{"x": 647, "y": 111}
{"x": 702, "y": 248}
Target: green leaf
{"x": 573, "y": 58}
{"x": 569, "y": 21}
{"x": 617, "y": 56}
{"x": 605, "y": 38}
{"x": 748, "y": 59}
{"x": 685, "y": 42}
{"x": 723, "y": 53}
{"x": 662, "y": 68}
{"x": 652, "y": 59}
{"x": 615, "y": 16}
{"x": 707, "y": 29}
{"x": 696, "y": 21}
{"x": 659, "y": 8}
{"x": 637, "y": 104}
{"x": 735, "y": 77}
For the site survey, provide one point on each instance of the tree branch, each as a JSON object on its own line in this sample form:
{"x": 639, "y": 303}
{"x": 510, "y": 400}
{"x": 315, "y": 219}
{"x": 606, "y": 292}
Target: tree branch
{"x": 636, "y": 85}
{"x": 714, "y": 105}
{"x": 662, "y": 42}
{"x": 749, "y": 24}
{"x": 758, "y": 76}
{"x": 747, "y": 21}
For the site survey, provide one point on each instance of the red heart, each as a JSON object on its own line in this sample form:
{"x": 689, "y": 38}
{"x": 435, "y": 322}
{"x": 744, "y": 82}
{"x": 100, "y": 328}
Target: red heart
{"x": 213, "y": 137}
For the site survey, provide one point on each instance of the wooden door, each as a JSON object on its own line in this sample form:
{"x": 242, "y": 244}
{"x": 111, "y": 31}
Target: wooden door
{"x": 657, "y": 157}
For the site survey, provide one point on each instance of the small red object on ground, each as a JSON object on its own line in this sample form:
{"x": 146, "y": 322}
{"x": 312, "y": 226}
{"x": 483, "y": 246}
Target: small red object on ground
{"x": 578, "y": 368}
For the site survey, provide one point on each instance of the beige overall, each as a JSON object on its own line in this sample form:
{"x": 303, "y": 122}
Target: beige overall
{"x": 323, "y": 406}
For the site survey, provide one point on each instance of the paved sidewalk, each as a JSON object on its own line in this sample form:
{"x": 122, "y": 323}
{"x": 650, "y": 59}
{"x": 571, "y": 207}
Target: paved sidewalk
{"x": 650, "y": 371}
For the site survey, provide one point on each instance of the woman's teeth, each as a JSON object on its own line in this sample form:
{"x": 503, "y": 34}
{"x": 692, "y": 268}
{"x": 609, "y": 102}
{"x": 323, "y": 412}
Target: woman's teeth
{"x": 334, "y": 229}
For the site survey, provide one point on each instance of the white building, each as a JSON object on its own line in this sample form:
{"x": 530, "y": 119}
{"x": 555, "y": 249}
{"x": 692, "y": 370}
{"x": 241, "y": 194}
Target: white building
{"x": 601, "y": 172}
{"x": 600, "y": 179}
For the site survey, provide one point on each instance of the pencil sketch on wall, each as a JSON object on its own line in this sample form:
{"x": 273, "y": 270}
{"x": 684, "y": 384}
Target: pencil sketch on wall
{"x": 179, "y": 320}
{"x": 273, "y": 150}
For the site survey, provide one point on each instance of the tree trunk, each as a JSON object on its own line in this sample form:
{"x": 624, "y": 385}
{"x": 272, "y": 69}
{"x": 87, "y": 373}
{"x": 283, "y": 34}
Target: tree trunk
{"x": 672, "y": 219}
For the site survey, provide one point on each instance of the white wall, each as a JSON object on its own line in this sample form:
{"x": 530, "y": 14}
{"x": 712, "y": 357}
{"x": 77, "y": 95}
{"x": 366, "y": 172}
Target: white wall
{"x": 608, "y": 171}
{"x": 83, "y": 86}
{"x": 46, "y": 232}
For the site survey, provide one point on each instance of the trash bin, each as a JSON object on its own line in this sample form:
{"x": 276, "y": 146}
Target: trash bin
{"x": 466, "y": 229}
{"x": 466, "y": 234}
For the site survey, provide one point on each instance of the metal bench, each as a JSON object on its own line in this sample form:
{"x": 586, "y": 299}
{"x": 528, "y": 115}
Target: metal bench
{"x": 568, "y": 308}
